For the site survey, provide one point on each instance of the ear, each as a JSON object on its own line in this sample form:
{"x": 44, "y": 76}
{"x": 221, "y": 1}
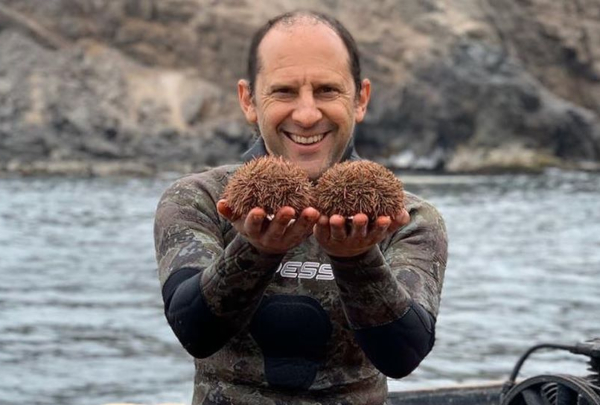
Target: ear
{"x": 246, "y": 101}
{"x": 364, "y": 96}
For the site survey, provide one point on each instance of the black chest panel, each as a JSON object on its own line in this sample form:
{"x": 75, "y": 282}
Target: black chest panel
{"x": 292, "y": 332}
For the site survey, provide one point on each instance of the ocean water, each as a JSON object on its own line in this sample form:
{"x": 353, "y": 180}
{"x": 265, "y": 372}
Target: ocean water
{"x": 81, "y": 319}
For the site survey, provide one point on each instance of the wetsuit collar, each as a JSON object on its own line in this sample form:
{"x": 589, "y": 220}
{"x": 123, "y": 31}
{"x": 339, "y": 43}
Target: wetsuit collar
{"x": 259, "y": 149}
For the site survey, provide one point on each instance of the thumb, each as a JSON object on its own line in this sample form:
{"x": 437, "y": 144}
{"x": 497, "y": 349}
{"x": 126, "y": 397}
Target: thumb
{"x": 225, "y": 210}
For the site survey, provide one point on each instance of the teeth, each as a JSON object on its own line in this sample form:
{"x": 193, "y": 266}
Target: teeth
{"x": 306, "y": 140}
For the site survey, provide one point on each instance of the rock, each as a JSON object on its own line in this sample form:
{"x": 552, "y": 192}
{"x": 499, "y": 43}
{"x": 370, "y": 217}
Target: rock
{"x": 149, "y": 85}
{"x": 128, "y": 403}
{"x": 476, "y": 104}
{"x": 506, "y": 158}
{"x": 91, "y": 102}
{"x": 80, "y": 168}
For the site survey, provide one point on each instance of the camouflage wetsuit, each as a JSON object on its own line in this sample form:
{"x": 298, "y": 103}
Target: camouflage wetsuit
{"x": 299, "y": 328}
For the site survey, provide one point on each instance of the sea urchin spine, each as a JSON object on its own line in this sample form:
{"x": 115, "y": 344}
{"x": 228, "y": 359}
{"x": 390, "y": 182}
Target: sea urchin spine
{"x": 269, "y": 183}
{"x": 353, "y": 187}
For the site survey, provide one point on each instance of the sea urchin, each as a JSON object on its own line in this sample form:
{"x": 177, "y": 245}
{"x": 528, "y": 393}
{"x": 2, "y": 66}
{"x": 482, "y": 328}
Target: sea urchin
{"x": 353, "y": 187}
{"x": 269, "y": 183}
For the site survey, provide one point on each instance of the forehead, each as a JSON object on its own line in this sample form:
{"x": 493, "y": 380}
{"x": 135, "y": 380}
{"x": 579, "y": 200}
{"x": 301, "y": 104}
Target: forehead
{"x": 309, "y": 46}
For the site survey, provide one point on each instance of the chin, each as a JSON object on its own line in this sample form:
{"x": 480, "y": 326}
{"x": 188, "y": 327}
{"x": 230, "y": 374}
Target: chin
{"x": 314, "y": 174}
{"x": 314, "y": 169}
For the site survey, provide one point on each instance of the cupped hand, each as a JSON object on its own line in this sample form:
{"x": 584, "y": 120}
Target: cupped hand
{"x": 341, "y": 237}
{"x": 276, "y": 235}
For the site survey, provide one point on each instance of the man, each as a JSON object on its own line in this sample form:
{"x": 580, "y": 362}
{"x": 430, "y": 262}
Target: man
{"x": 319, "y": 311}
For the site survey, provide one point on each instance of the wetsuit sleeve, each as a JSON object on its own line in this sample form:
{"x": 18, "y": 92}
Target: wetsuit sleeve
{"x": 391, "y": 294}
{"x": 210, "y": 288}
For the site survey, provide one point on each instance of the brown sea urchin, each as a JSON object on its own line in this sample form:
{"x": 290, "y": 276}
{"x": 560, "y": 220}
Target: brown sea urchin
{"x": 353, "y": 187}
{"x": 269, "y": 183}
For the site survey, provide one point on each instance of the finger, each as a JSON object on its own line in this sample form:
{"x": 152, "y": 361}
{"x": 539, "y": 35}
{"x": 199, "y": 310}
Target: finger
{"x": 337, "y": 228}
{"x": 280, "y": 222}
{"x": 304, "y": 225}
{"x": 225, "y": 210}
{"x": 321, "y": 229}
{"x": 253, "y": 225}
{"x": 400, "y": 220}
{"x": 359, "y": 226}
{"x": 380, "y": 228}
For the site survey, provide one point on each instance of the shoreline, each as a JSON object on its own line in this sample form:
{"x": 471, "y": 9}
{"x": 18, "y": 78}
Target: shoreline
{"x": 144, "y": 169}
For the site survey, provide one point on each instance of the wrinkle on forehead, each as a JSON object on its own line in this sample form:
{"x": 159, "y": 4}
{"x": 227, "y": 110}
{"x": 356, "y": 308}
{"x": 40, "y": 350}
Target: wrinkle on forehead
{"x": 310, "y": 77}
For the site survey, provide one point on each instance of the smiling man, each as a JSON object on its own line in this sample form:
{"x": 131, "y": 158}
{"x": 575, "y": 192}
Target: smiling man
{"x": 302, "y": 93}
{"x": 320, "y": 311}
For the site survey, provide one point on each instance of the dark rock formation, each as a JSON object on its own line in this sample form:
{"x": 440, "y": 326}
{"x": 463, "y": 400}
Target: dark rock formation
{"x": 477, "y": 110}
{"x": 101, "y": 87}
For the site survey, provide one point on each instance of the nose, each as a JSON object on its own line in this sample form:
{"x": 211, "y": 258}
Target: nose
{"x": 306, "y": 112}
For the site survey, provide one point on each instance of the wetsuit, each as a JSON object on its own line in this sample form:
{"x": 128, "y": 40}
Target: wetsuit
{"x": 299, "y": 328}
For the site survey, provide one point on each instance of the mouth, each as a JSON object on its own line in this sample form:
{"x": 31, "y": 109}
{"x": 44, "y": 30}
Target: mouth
{"x": 304, "y": 139}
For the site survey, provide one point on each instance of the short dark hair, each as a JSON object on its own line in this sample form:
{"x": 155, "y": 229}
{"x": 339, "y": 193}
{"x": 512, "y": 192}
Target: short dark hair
{"x": 291, "y": 18}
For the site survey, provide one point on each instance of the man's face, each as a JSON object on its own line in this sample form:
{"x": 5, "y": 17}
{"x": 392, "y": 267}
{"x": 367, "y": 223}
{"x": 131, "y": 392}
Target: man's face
{"x": 305, "y": 101}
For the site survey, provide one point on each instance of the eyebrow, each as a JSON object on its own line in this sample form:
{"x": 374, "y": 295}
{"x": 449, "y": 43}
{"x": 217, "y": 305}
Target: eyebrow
{"x": 281, "y": 86}
{"x": 316, "y": 84}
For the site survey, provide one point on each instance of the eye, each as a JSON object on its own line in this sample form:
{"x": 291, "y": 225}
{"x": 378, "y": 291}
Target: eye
{"x": 327, "y": 91}
{"x": 283, "y": 92}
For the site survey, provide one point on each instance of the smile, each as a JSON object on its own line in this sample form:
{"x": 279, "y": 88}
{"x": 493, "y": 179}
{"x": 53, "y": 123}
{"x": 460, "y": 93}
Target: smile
{"x": 306, "y": 140}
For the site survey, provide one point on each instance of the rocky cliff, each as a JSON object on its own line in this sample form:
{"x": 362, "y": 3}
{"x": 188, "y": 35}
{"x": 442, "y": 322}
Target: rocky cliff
{"x": 138, "y": 86}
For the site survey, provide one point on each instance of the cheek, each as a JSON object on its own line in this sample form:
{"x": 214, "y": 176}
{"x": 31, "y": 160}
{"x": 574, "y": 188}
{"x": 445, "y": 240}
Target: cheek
{"x": 343, "y": 113}
{"x": 272, "y": 114}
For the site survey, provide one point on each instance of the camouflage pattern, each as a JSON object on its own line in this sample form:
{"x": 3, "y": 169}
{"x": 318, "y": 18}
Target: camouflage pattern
{"x": 371, "y": 291}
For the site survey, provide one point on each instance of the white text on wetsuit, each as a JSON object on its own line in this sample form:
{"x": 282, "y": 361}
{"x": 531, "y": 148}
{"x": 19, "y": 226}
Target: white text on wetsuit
{"x": 306, "y": 270}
